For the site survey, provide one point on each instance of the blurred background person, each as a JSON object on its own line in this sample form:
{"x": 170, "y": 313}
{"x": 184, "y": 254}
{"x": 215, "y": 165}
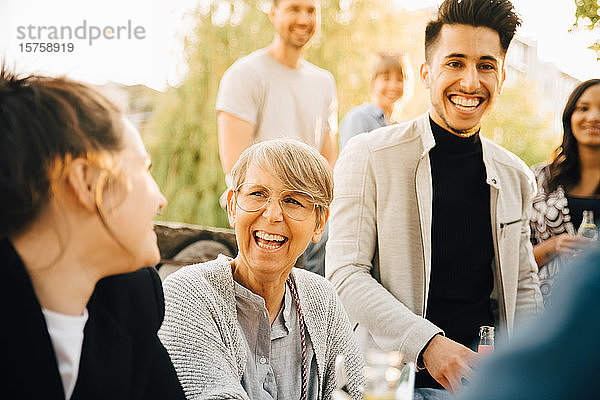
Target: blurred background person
{"x": 274, "y": 92}
{"x": 254, "y": 326}
{"x": 77, "y": 206}
{"x": 568, "y": 185}
{"x": 388, "y": 77}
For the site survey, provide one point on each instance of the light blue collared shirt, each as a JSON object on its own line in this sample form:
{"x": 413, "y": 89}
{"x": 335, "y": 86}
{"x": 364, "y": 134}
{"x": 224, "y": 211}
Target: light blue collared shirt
{"x": 274, "y": 363}
{"x": 363, "y": 118}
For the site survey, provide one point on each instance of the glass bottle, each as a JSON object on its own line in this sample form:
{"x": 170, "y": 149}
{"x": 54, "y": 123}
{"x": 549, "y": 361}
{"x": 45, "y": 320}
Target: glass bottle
{"x": 486, "y": 340}
{"x": 588, "y": 228}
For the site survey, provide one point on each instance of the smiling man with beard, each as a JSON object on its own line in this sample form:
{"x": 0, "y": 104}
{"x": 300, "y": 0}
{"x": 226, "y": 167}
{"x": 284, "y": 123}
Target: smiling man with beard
{"x": 275, "y": 93}
{"x": 429, "y": 238}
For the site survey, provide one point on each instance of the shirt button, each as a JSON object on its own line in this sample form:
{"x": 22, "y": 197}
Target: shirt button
{"x": 262, "y": 360}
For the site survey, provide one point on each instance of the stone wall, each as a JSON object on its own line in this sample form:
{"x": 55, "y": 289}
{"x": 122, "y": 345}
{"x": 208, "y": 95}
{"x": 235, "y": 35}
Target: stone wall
{"x": 183, "y": 244}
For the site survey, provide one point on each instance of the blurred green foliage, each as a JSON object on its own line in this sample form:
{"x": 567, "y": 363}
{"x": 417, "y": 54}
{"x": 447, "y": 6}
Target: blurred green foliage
{"x": 587, "y": 14}
{"x": 182, "y": 137}
{"x": 517, "y": 124}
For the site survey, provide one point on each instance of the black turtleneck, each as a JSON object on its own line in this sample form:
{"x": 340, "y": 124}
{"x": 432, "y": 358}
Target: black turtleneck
{"x": 461, "y": 240}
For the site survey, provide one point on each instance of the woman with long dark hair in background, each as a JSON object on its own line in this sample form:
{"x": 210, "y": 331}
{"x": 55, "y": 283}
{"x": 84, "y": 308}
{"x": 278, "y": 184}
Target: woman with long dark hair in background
{"x": 568, "y": 185}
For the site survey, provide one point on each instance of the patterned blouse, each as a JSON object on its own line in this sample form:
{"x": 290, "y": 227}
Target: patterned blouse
{"x": 550, "y": 216}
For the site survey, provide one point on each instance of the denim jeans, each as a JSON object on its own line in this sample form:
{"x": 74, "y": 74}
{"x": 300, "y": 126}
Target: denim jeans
{"x": 314, "y": 255}
{"x": 432, "y": 394}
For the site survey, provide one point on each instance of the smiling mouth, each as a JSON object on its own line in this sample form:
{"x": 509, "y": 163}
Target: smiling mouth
{"x": 465, "y": 103}
{"x": 268, "y": 241}
{"x": 595, "y": 129}
{"x": 301, "y": 31}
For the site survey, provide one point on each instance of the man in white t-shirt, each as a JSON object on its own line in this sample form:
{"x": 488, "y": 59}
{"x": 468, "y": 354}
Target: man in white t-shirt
{"x": 273, "y": 92}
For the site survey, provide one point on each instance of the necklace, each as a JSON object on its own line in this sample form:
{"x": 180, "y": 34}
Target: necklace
{"x": 292, "y": 286}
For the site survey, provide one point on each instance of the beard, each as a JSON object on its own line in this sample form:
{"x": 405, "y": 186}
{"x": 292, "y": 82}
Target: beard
{"x": 466, "y": 132}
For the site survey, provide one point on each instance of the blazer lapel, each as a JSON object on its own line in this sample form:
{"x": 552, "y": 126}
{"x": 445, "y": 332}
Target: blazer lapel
{"x": 106, "y": 352}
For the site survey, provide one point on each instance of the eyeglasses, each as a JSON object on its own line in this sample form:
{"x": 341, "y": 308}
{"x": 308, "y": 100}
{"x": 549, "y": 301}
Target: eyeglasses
{"x": 296, "y": 204}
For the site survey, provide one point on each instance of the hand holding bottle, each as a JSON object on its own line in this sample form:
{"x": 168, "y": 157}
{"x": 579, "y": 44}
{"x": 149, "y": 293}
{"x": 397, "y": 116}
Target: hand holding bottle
{"x": 450, "y": 363}
{"x": 566, "y": 244}
{"x": 588, "y": 228}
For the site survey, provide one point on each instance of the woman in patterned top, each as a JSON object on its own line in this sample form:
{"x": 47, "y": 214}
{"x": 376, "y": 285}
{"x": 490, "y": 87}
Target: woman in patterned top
{"x": 568, "y": 185}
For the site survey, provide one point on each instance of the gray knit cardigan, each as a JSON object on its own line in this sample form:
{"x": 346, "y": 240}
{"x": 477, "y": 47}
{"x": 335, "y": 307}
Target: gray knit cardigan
{"x": 205, "y": 342}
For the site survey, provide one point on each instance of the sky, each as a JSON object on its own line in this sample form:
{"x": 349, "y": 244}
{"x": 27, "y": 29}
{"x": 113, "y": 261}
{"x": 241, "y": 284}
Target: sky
{"x": 156, "y": 58}
{"x": 548, "y": 23}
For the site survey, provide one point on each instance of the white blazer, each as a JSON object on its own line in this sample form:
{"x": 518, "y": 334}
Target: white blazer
{"x": 379, "y": 248}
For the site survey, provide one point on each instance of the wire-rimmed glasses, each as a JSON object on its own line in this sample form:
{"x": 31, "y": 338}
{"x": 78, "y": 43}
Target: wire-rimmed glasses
{"x": 296, "y": 204}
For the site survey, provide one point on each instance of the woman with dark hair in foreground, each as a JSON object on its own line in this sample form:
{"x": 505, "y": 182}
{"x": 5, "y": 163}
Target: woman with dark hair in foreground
{"x": 567, "y": 186}
{"x": 77, "y": 206}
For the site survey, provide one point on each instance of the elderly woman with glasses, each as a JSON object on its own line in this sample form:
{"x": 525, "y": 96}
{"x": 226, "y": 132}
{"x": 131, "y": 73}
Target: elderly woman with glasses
{"x": 255, "y": 327}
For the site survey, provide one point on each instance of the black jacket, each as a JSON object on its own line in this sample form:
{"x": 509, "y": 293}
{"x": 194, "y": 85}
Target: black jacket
{"x": 121, "y": 357}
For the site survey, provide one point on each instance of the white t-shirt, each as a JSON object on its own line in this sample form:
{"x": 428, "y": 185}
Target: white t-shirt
{"x": 280, "y": 101}
{"x": 66, "y": 333}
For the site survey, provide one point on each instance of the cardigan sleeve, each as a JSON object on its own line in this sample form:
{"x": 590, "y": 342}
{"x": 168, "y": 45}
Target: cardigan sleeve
{"x": 196, "y": 335}
{"x": 162, "y": 379}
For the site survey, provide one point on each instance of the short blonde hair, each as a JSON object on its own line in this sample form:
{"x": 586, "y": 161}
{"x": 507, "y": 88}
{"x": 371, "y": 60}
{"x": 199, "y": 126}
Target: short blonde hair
{"x": 298, "y": 166}
{"x": 386, "y": 62}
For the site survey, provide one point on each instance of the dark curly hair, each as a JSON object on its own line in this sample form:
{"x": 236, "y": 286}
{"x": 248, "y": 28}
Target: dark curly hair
{"x": 44, "y": 123}
{"x": 498, "y": 15}
{"x": 565, "y": 168}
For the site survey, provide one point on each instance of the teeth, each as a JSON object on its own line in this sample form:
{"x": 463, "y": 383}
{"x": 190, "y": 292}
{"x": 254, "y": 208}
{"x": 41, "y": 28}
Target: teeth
{"x": 302, "y": 31}
{"x": 269, "y": 236}
{"x": 465, "y": 102}
{"x": 268, "y": 246}
{"x": 593, "y": 128}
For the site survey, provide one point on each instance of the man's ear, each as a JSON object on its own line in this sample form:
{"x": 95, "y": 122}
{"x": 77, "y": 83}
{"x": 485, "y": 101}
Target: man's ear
{"x": 231, "y": 207}
{"x": 502, "y": 78}
{"x": 272, "y": 13}
{"x": 424, "y": 73}
{"x": 320, "y": 228}
{"x": 82, "y": 178}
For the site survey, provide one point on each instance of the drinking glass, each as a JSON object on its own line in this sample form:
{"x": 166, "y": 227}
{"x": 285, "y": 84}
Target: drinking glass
{"x": 386, "y": 379}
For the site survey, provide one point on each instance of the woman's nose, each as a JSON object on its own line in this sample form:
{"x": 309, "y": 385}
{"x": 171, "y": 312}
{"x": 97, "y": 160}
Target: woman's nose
{"x": 273, "y": 211}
